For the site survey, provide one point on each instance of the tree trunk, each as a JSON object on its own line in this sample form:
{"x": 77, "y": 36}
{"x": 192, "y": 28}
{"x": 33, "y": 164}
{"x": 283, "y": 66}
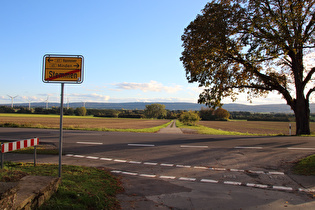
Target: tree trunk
{"x": 302, "y": 117}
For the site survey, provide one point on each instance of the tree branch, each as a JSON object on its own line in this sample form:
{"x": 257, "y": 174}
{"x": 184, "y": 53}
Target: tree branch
{"x": 308, "y": 77}
{"x": 309, "y": 93}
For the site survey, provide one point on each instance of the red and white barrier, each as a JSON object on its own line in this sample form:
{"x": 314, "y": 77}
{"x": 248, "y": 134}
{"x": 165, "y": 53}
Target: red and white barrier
{"x": 11, "y": 146}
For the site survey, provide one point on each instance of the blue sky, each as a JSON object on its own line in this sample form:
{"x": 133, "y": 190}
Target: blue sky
{"x": 131, "y": 50}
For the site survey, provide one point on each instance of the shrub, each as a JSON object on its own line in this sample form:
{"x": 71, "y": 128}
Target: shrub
{"x": 221, "y": 114}
{"x": 189, "y": 118}
{"x": 81, "y": 111}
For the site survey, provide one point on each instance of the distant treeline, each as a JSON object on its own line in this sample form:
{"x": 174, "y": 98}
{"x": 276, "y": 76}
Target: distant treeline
{"x": 81, "y": 111}
{"x": 205, "y": 114}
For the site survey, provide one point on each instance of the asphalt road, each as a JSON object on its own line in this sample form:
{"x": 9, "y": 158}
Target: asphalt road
{"x": 189, "y": 171}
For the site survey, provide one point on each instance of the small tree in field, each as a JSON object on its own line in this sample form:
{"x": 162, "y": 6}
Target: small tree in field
{"x": 80, "y": 111}
{"x": 155, "y": 111}
{"x": 189, "y": 118}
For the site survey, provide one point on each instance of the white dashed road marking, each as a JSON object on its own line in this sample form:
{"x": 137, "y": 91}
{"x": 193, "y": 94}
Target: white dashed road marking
{"x": 248, "y": 147}
{"x": 141, "y": 145}
{"x": 297, "y": 148}
{"x": 261, "y": 186}
{"x": 86, "y": 142}
{"x": 188, "y": 146}
{"x": 178, "y": 165}
{"x": 211, "y": 181}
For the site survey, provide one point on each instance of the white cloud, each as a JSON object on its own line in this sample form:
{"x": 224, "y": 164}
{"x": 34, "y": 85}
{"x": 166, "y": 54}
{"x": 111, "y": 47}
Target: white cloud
{"x": 94, "y": 97}
{"x": 152, "y": 86}
{"x": 156, "y": 99}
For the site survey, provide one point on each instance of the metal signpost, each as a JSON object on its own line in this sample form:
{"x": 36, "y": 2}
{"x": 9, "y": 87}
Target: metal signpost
{"x": 62, "y": 69}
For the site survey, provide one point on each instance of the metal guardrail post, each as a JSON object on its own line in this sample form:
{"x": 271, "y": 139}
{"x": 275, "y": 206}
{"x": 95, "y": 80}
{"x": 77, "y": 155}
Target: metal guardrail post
{"x": 2, "y": 159}
{"x": 2, "y": 156}
{"x": 35, "y": 156}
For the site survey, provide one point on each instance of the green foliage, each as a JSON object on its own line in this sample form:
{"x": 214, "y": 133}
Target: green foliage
{"x": 207, "y": 114}
{"x": 5, "y": 109}
{"x": 189, "y": 118}
{"x": 221, "y": 114}
{"x": 81, "y": 111}
{"x": 69, "y": 111}
{"x": 211, "y": 114}
{"x": 155, "y": 111}
{"x": 253, "y": 47}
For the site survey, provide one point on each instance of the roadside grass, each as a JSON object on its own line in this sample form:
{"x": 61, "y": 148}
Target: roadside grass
{"x": 210, "y": 131}
{"x": 143, "y": 130}
{"x": 40, "y": 150}
{"x": 81, "y": 187}
{"x": 305, "y": 166}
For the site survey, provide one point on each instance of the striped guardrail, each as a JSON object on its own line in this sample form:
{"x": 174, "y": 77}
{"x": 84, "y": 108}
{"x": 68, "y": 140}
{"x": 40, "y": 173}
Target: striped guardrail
{"x": 16, "y": 145}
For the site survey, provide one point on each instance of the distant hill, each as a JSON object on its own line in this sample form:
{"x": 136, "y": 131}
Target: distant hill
{"x": 276, "y": 108}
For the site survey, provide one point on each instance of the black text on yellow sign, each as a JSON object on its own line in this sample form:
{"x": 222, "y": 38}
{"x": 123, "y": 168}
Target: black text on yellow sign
{"x": 63, "y": 69}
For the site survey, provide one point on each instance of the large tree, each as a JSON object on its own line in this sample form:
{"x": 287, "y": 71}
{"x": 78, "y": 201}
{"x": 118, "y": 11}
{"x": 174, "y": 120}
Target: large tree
{"x": 155, "y": 111}
{"x": 253, "y": 46}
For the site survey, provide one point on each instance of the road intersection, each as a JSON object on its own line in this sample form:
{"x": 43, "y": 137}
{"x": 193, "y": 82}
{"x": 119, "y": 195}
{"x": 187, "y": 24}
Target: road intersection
{"x": 189, "y": 171}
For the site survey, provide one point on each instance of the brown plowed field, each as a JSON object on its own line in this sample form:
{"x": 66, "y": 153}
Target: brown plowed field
{"x": 255, "y": 127}
{"x": 53, "y": 122}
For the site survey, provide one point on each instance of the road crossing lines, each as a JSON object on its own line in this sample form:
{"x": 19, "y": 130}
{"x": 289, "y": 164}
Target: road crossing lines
{"x": 211, "y": 181}
{"x": 194, "y": 179}
{"x": 177, "y": 165}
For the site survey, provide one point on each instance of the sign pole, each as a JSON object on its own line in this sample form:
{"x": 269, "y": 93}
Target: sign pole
{"x": 61, "y": 128}
{"x": 62, "y": 69}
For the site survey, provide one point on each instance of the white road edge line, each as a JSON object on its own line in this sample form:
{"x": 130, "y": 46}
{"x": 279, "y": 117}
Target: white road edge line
{"x": 79, "y": 156}
{"x": 257, "y": 185}
{"x": 187, "y": 179}
{"x": 275, "y": 173}
{"x": 134, "y": 162}
{"x": 148, "y": 163}
{"x": 91, "y": 157}
{"x": 167, "y": 164}
{"x": 183, "y": 166}
{"x": 120, "y": 161}
{"x": 209, "y": 181}
{"x": 108, "y": 159}
{"x": 148, "y": 175}
{"x": 232, "y": 183}
{"x": 200, "y": 167}
{"x": 129, "y": 173}
{"x": 282, "y": 188}
{"x": 167, "y": 177}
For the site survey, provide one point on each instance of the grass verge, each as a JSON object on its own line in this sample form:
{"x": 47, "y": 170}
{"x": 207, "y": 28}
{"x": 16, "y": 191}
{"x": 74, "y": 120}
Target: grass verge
{"x": 143, "y": 130}
{"x": 81, "y": 187}
{"x": 305, "y": 166}
{"x": 210, "y": 131}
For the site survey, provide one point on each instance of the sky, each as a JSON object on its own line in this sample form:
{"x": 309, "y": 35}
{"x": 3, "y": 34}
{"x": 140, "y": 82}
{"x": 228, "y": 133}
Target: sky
{"x": 131, "y": 50}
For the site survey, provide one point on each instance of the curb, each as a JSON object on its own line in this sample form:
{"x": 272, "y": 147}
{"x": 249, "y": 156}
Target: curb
{"x": 30, "y": 192}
